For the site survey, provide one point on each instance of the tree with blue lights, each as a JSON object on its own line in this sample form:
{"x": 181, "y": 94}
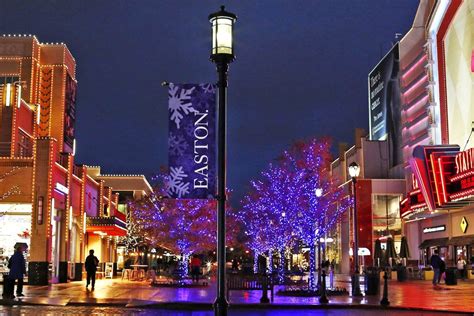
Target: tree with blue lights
{"x": 320, "y": 202}
{"x": 183, "y": 226}
{"x": 283, "y": 204}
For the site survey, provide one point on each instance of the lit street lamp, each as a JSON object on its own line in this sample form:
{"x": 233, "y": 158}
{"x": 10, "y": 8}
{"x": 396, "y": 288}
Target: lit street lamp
{"x": 321, "y": 283}
{"x": 354, "y": 171}
{"x": 222, "y": 54}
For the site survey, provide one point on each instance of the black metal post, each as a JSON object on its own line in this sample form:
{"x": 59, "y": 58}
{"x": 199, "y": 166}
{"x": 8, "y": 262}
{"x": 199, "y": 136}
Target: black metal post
{"x": 319, "y": 263}
{"x": 264, "y": 299}
{"x": 385, "y": 301}
{"x": 356, "y": 277}
{"x": 221, "y": 304}
{"x": 323, "y": 299}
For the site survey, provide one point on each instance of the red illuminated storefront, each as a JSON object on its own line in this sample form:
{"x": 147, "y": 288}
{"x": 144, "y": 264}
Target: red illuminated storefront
{"x": 438, "y": 211}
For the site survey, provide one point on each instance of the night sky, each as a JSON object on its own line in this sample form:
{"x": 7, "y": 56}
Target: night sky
{"x": 301, "y": 71}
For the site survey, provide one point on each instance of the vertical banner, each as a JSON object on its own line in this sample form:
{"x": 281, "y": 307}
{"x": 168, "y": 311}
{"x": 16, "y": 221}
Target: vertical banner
{"x": 385, "y": 102}
{"x": 70, "y": 113}
{"x": 192, "y": 141}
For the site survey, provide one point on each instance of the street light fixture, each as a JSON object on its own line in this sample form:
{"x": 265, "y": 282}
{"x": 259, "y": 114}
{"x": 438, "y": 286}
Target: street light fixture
{"x": 354, "y": 171}
{"x": 222, "y": 53}
{"x": 318, "y": 192}
{"x": 321, "y": 282}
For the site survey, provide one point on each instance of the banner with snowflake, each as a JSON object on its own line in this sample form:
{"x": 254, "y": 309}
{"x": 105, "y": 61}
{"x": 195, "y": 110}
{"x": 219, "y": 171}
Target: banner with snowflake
{"x": 192, "y": 141}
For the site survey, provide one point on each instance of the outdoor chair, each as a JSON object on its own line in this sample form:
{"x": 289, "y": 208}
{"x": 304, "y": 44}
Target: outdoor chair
{"x": 126, "y": 273}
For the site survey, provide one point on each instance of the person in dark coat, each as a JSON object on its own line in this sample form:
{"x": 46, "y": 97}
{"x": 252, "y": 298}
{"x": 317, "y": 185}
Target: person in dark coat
{"x": 91, "y": 267}
{"x": 442, "y": 271}
{"x": 17, "y": 266}
{"x": 436, "y": 263}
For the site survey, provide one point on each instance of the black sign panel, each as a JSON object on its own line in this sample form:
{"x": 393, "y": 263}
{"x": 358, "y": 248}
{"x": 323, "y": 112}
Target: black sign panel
{"x": 70, "y": 113}
{"x": 384, "y": 103}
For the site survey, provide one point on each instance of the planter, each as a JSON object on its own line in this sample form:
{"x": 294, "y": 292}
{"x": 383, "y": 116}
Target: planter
{"x": 428, "y": 275}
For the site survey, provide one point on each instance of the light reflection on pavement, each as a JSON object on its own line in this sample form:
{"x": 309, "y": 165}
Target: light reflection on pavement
{"x": 100, "y": 311}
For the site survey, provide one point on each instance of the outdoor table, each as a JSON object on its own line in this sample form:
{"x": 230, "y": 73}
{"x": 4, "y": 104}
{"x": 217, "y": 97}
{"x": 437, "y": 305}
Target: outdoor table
{"x": 137, "y": 268}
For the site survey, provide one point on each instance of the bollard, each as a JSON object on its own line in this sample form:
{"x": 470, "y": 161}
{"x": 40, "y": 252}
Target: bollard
{"x": 331, "y": 279}
{"x": 323, "y": 299}
{"x": 264, "y": 299}
{"x": 385, "y": 301}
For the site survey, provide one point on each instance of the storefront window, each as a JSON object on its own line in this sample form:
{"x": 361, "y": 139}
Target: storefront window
{"x": 386, "y": 216}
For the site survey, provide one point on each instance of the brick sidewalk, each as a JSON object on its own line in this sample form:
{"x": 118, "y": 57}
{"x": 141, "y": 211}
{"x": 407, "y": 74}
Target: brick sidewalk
{"x": 410, "y": 295}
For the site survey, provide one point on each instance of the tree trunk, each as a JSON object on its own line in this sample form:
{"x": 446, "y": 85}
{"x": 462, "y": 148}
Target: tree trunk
{"x": 312, "y": 266}
{"x": 183, "y": 265}
{"x": 270, "y": 262}
{"x": 281, "y": 266}
{"x": 255, "y": 262}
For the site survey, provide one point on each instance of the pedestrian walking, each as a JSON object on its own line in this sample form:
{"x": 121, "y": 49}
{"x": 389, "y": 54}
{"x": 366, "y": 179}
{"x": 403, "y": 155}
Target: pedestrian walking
{"x": 195, "y": 268}
{"x": 436, "y": 263}
{"x": 91, "y": 267}
{"x": 461, "y": 265}
{"x": 17, "y": 266}
{"x": 442, "y": 271}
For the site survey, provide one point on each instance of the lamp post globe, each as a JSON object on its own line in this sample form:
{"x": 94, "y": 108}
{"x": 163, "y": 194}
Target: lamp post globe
{"x": 318, "y": 192}
{"x": 222, "y": 53}
{"x": 354, "y": 171}
{"x": 222, "y": 23}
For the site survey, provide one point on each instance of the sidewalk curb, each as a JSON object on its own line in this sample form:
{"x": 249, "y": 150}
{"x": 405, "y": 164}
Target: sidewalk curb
{"x": 188, "y": 306}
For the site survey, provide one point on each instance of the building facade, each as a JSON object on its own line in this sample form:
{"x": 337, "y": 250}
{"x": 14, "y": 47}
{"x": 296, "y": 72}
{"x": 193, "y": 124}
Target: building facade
{"x": 55, "y": 207}
{"x": 378, "y": 194}
{"x": 437, "y": 65}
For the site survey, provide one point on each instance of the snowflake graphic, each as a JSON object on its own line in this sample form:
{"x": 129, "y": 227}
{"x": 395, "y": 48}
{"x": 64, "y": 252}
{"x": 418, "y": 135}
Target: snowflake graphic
{"x": 208, "y": 87}
{"x": 177, "y": 145}
{"x": 189, "y": 129}
{"x": 176, "y": 186}
{"x": 179, "y": 103}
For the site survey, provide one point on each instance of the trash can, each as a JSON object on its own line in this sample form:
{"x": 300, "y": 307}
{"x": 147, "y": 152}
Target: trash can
{"x": 8, "y": 285}
{"x": 372, "y": 281}
{"x": 451, "y": 276}
{"x": 401, "y": 274}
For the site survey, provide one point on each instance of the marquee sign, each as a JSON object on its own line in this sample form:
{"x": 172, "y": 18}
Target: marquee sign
{"x": 444, "y": 178}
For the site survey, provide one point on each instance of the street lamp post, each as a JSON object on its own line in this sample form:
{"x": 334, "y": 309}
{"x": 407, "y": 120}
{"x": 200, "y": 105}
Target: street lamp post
{"x": 354, "y": 171}
{"x": 222, "y": 54}
{"x": 319, "y": 192}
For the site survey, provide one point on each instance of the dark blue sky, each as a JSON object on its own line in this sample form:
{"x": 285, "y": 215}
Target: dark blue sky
{"x": 301, "y": 71}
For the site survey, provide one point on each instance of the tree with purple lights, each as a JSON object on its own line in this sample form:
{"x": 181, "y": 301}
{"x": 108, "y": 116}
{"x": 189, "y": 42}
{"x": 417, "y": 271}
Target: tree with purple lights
{"x": 183, "y": 226}
{"x": 283, "y": 204}
{"x": 320, "y": 201}
{"x": 253, "y": 215}
{"x": 277, "y": 195}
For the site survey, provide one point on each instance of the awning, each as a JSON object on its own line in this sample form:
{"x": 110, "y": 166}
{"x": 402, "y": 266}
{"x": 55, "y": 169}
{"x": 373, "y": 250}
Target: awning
{"x": 462, "y": 240}
{"x": 106, "y": 226}
{"x": 437, "y": 242}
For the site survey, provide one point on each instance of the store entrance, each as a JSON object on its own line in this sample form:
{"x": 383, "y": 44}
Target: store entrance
{"x": 55, "y": 245}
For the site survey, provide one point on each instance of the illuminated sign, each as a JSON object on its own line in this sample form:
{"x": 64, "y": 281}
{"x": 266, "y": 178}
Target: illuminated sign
{"x": 465, "y": 160}
{"x": 434, "y": 229}
{"x": 39, "y": 210}
{"x": 61, "y": 188}
{"x": 464, "y": 224}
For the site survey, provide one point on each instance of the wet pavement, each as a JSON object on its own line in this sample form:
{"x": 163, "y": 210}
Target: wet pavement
{"x": 419, "y": 295}
{"x": 99, "y": 311}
